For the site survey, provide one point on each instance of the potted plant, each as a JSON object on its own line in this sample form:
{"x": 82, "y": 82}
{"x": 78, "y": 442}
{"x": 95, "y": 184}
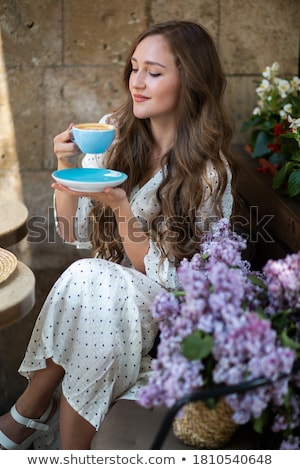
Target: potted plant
{"x": 272, "y": 126}
{"x": 227, "y": 324}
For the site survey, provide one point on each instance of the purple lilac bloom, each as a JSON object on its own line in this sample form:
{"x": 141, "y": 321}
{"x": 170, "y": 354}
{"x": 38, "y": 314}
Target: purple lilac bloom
{"x": 283, "y": 281}
{"x": 165, "y": 306}
{"x": 228, "y": 251}
{"x": 280, "y": 423}
{"x": 285, "y": 422}
{"x": 248, "y": 352}
{"x": 293, "y": 443}
{"x": 194, "y": 281}
{"x": 172, "y": 379}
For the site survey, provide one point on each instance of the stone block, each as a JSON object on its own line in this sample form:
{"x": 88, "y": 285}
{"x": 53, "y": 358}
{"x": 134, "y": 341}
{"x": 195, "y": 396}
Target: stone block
{"x": 255, "y": 34}
{"x": 22, "y": 138}
{"x": 31, "y": 32}
{"x": 38, "y": 194}
{"x": 98, "y": 32}
{"x": 241, "y": 100}
{"x": 204, "y": 12}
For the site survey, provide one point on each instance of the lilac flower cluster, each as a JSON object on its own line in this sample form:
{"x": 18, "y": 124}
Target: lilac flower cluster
{"x": 283, "y": 283}
{"x": 220, "y": 300}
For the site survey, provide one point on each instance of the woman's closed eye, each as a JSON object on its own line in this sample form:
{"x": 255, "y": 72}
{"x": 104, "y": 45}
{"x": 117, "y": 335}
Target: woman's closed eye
{"x": 152, "y": 74}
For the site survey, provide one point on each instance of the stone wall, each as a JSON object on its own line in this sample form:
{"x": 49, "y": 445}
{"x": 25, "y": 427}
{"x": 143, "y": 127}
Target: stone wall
{"x": 61, "y": 61}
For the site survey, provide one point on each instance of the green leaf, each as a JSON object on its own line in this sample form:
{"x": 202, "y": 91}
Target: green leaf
{"x": 296, "y": 158}
{"x": 279, "y": 321}
{"x": 257, "y": 281}
{"x": 260, "y": 148}
{"x": 288, "y": 144}
{"x": 210, "y": 403}
{"x": 260, "y": 422}
{"x": 279, "y": 178}
{"x": 269, "y": 125}
{"x": 288, "y": 135}
{"x": 282, "y": 174}
{"x": 289, "y": 342}
{"x": 294, "y": 183}
{"x": 179, "y": 293}
{"x": 197, "y": 345}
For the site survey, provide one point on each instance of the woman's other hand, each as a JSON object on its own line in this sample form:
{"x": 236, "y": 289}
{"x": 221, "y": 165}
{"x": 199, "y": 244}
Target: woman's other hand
{"x": 112, "y": 197}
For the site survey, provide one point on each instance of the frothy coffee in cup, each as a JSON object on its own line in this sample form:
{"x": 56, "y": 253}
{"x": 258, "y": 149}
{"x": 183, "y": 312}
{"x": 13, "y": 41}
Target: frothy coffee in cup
{"x": 93, "y": 137}
{"x": 94, "y": 126}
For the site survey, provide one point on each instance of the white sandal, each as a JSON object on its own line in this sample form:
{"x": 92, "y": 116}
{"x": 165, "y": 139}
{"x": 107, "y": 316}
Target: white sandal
{"x": 38, "y": 424}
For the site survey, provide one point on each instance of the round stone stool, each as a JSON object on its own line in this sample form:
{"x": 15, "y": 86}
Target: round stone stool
{"x": 13, "y": 226}
{"x": 17, "y": 295}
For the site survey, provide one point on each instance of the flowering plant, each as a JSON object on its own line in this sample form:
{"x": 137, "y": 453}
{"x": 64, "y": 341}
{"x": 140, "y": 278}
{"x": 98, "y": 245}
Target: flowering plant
{"x": 278, "y": 106}
{"x": 227, "y": 325}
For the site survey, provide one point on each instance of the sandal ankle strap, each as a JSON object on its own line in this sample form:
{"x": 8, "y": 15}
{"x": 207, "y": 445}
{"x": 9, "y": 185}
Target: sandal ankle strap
{"x": 32, "y": 423}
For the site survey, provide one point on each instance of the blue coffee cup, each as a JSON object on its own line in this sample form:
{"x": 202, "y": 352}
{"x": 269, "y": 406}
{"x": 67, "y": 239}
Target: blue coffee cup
{"x": 93, "y": 137}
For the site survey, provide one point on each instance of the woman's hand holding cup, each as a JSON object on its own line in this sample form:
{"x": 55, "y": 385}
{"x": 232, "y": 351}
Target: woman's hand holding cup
{"x": 66, "y": 149}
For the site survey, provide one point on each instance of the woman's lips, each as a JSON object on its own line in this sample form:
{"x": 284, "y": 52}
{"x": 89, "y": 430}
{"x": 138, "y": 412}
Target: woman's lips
{"x": 140, "y": 98}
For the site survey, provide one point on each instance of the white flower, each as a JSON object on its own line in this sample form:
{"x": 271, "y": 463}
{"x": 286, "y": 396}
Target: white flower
{"x": 263, "y": 87}
{"x": 270, "y": 72}
{"x": 295, "y": 83}
{"x": 256, "y": 111}
{"x": 275, "y": 67}
{"x": 283, "y": 87}
{"x": 288, "y": 108}
{"x": 282, "y": 114}
{"x": 294, "y": 123}
{"x": 267, "y": 73}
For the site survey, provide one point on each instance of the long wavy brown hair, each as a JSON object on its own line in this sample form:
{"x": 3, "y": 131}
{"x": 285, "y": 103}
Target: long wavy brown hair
{"x": 203, "y": 134}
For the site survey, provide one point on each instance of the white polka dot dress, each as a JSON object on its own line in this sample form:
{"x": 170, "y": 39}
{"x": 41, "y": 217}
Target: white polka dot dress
{"x": 96, "y": 321}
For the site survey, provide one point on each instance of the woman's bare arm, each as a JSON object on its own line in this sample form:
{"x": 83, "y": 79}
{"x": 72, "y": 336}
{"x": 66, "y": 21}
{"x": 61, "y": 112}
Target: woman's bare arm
{"x": 134, "y": 239}
{"x": 65, "y": 203}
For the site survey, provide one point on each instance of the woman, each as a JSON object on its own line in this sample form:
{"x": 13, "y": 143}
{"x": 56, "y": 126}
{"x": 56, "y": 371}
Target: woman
{"x": 95, "y": 330}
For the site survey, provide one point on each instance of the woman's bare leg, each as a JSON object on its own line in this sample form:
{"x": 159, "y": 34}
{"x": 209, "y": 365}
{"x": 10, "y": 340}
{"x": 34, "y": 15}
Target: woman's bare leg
{"x": 34, "y": 401}
{"x": 76, "y": 433}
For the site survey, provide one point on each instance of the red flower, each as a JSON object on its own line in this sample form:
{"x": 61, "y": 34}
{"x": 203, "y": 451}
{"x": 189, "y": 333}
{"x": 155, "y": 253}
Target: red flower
{"x": 279, "y": 129}
{"x": 274, "y": 147}
{"x": 267, "y": 167}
